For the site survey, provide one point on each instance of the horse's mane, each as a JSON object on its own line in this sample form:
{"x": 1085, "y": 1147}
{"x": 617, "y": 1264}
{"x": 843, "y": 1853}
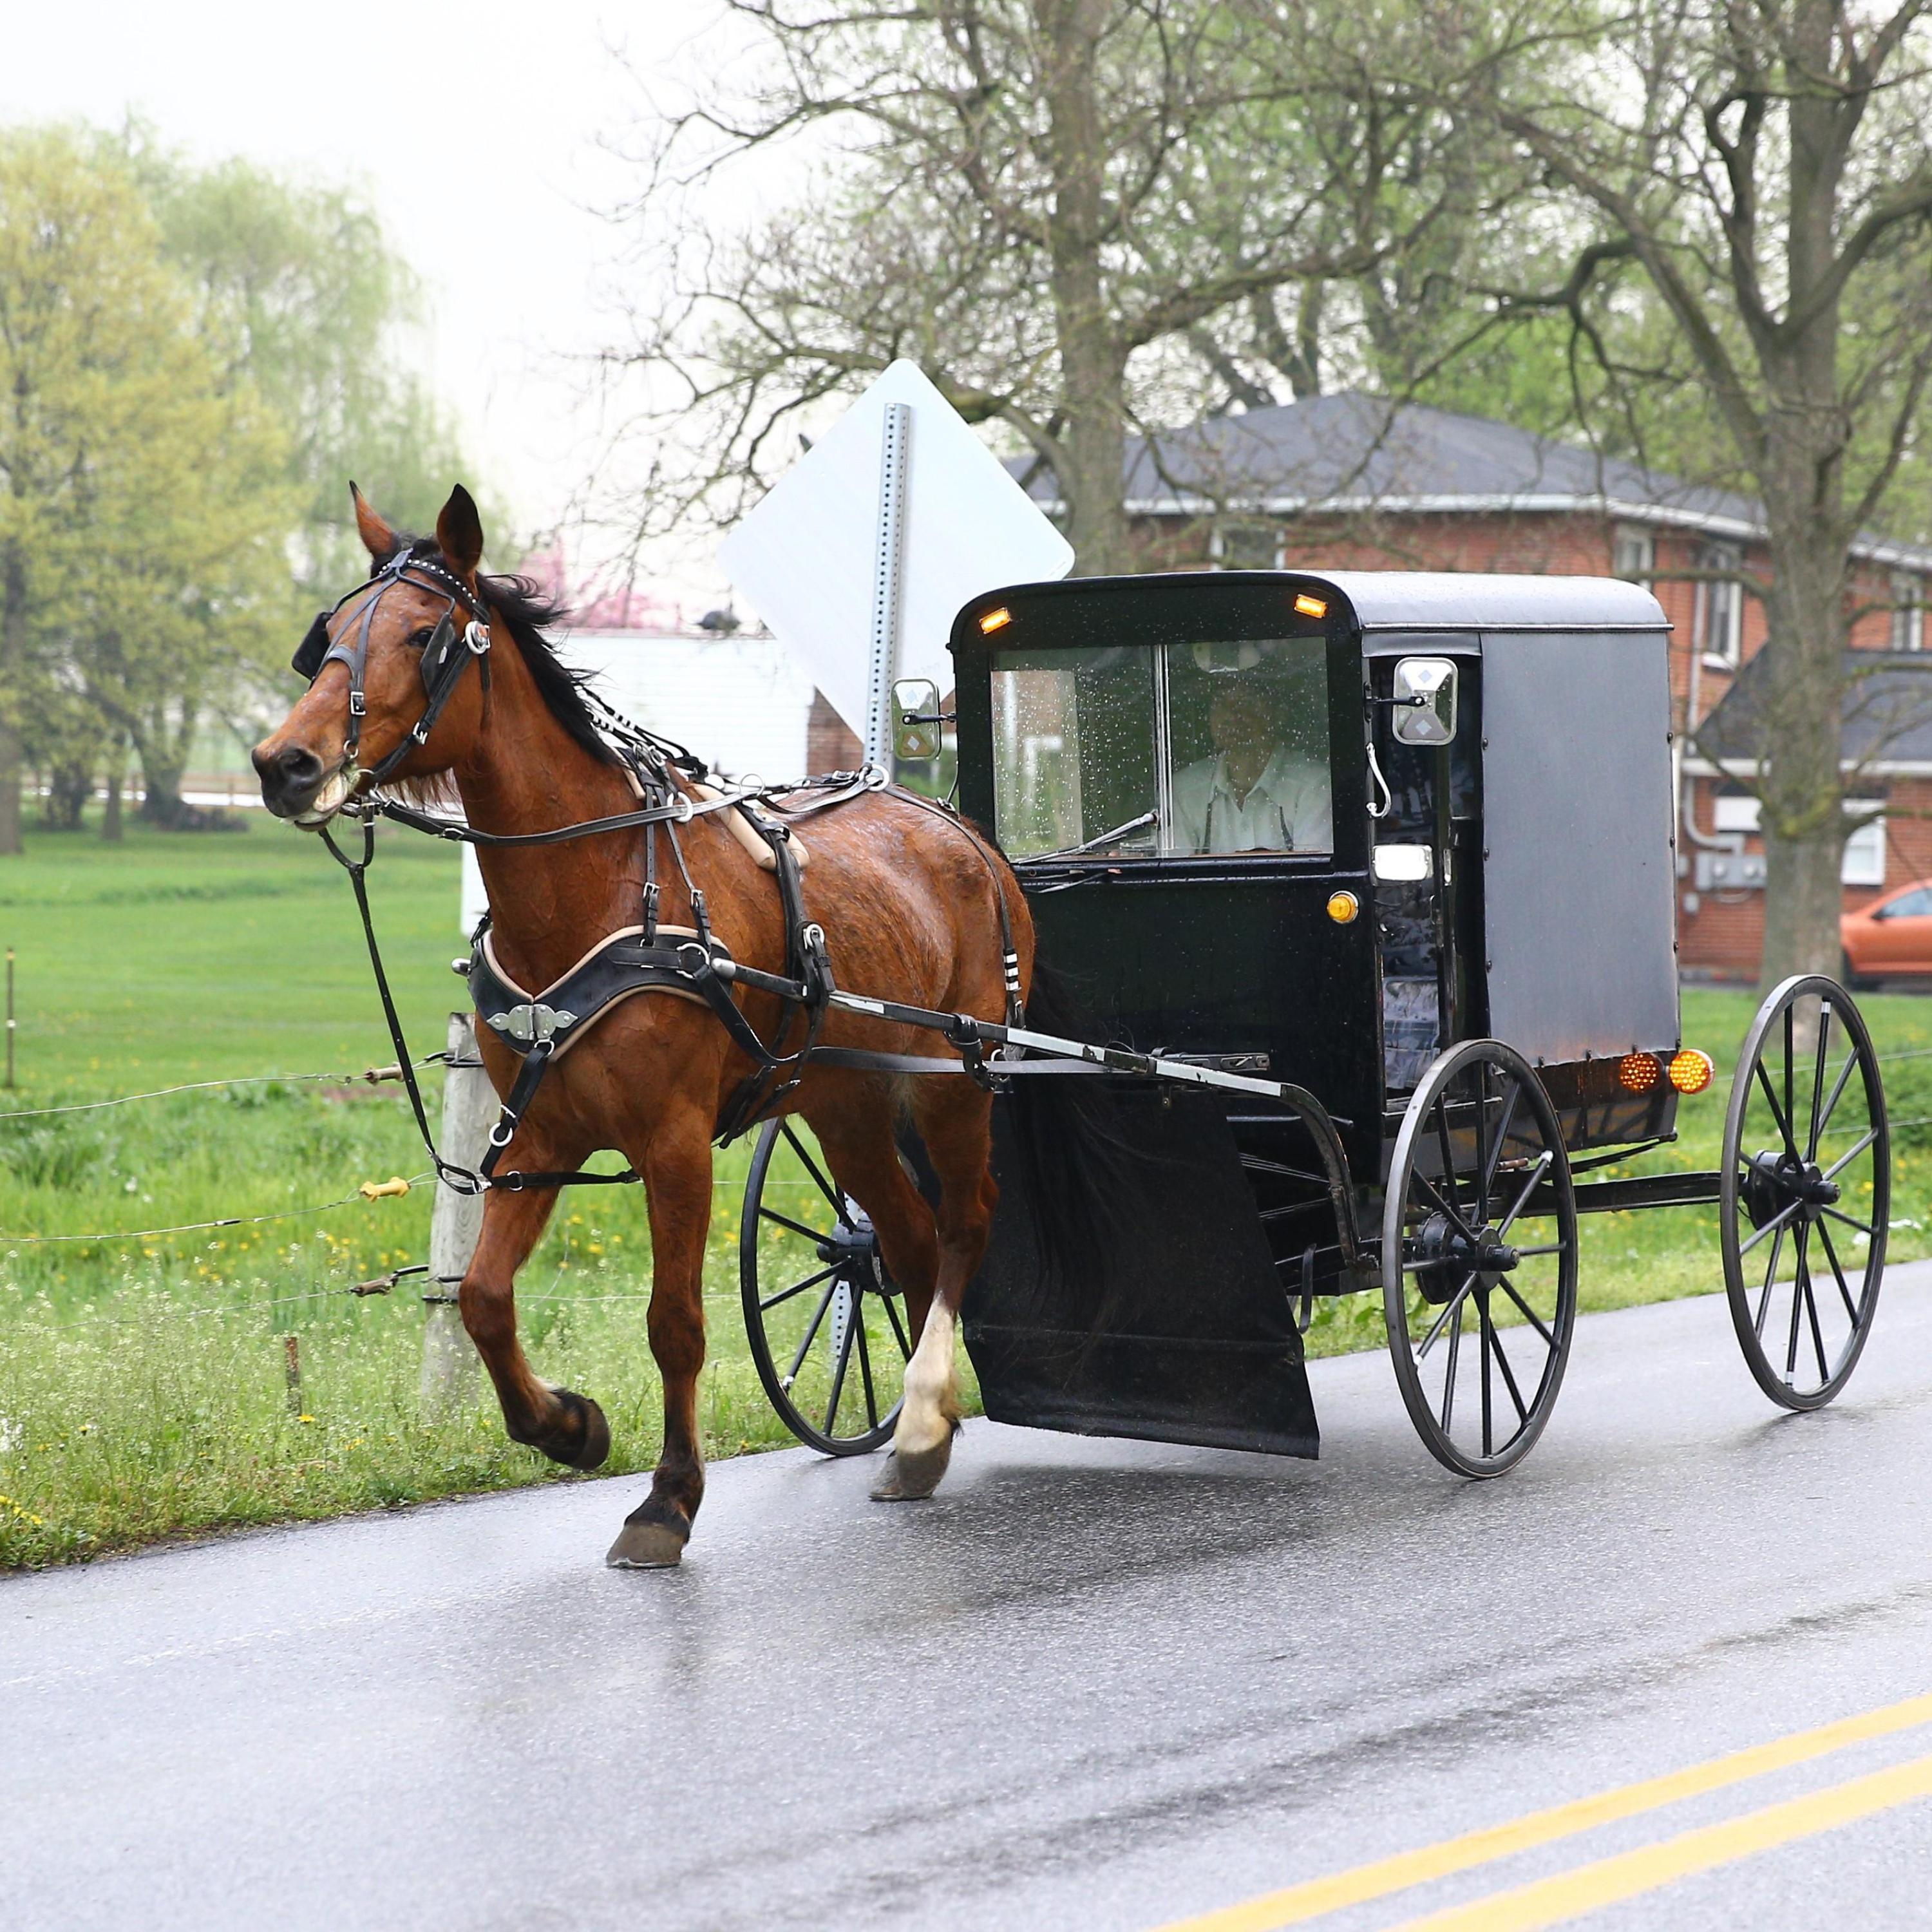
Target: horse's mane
{"x": 522, "y": 608}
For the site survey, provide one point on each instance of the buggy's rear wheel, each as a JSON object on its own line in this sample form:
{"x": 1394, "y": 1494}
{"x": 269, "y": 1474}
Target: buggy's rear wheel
{"x": 1479, "y": 1257}
{"x": 1805, "y": 1192}
{"x": 825, "y": 1322}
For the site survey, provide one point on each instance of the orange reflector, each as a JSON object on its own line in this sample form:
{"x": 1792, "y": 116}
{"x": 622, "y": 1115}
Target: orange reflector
{"x": 1305, "y": 606}
{"x": 1639, "y": 1072}
{"x": 1342, "y": 908}
{"x": 1690, "y": 1070}
{"x": 996, "y": 620}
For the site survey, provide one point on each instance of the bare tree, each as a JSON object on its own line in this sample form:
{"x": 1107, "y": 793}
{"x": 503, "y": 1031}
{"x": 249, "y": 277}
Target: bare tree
{"x": 1041, "y": 201}
{"x": 1768, "y": 165}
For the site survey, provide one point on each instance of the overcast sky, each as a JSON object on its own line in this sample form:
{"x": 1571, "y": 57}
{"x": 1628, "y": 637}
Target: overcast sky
{"x": 475, "y": 128}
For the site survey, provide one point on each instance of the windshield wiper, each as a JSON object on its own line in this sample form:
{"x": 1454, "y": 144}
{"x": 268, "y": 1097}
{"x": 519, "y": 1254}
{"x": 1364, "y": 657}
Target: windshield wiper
{"x": 1094, "y": 845}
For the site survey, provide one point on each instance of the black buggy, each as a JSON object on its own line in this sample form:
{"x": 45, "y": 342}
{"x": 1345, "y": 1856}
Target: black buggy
{"x": 1367, "y": 882}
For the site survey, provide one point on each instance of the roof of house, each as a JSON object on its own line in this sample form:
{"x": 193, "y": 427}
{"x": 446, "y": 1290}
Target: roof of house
{"x": 1350, "y": 453}
{"x": 1887, "y": 712}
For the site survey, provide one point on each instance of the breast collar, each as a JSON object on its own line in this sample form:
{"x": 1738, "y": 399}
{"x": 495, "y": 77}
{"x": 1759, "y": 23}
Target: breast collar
{"x": 444, "y": 656}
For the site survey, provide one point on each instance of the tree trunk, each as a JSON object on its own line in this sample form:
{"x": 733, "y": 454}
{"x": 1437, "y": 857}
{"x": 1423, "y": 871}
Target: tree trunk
{"x": 1801, "y": 472}
{"x": 1092, "y": 366}
{"x": 163, "y": 752}
{"x": 13, "y": 661}
{"x": 69, "y": 788}
{"x": 111, "y": 829}
{"x": 161, "y": 802}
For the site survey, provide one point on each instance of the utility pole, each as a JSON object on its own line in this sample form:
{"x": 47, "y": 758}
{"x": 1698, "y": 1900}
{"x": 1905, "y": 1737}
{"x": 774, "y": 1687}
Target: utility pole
{"x": 468, "y": 1112}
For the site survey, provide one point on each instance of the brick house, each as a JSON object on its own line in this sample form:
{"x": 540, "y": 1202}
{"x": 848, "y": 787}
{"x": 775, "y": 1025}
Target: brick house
{"x": 1349, "y": 481}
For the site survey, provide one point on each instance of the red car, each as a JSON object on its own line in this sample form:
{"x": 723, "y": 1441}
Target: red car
{"x": 1890, "y": 937}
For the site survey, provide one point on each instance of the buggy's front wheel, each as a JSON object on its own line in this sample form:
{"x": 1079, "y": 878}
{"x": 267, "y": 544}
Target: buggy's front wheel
{"x": 1479, "y": 1257}
{"x": 825, "y": 1321}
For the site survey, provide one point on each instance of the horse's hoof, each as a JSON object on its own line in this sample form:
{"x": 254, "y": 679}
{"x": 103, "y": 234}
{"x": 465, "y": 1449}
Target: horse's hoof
{"x": 911, "y": 1476}
{"x": 647, "y": 1546}
{"x": 583, "y": 1440}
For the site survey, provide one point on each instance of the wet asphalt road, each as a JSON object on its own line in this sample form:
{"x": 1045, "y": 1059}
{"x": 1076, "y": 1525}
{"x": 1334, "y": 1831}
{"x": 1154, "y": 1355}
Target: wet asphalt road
{"x": 1094, "y": 1684}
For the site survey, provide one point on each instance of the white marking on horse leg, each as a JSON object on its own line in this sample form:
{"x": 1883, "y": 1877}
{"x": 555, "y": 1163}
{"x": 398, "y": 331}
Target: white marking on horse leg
{"x": 931, "y": 1406}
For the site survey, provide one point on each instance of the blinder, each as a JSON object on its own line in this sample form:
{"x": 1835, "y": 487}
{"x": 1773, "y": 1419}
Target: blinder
{"x": 307, "y": 661}
{"x": 436, "y": 653}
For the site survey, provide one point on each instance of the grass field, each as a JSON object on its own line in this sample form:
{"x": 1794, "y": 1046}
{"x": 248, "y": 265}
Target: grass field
{"x": 144, "y": 1382}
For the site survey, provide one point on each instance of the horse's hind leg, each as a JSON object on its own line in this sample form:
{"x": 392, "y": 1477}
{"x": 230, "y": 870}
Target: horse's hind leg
{"x": 858, "y": 1142}
{"x": 567, "y": 1427}
{"x": 954, "y": 1120}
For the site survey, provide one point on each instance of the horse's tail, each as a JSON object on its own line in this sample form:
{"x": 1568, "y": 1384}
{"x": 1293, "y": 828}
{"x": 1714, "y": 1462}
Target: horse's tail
{"x": 1078, "y": 1172}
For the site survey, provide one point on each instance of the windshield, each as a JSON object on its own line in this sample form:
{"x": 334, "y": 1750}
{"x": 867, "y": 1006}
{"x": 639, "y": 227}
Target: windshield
{"x": 1207, "y": 747}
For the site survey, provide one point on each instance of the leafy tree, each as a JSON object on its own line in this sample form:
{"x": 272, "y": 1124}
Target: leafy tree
{"x": 1767, "y": 170}
{"x": 138, "y": 524}
{"x": 1047, "y": 203}
{"x": 304, "y": 298}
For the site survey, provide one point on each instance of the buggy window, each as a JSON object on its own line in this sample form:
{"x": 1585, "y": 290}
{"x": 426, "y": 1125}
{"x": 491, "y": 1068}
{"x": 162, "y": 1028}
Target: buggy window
{"x": 1248, "y": 722}
{"x": 1208, "y": 747}
{"x": 1073, "y": 749}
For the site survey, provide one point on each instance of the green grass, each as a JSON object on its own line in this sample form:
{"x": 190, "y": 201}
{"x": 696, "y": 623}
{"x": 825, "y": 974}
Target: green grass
{"x": 144, "y": 1388}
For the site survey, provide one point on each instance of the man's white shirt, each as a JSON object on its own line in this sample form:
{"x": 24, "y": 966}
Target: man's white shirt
{"x": 1287, "y": 809}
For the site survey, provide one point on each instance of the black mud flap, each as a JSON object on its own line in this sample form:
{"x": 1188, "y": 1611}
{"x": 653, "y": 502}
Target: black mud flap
{"x": 1194, "y": 1340}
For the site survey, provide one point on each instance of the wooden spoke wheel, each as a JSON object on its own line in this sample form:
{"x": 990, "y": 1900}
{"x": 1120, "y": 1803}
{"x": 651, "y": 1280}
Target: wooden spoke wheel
{"x": 1479, "y": 1257}
{"x": 1805, "y": 1192}
{"x": 827, "y": 1323}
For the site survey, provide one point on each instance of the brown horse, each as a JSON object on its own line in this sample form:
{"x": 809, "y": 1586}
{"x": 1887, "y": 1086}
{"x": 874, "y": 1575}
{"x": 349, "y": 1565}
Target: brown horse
{"x": 906, "y": 897}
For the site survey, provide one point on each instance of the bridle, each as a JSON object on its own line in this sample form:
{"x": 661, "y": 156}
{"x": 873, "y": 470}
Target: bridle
{"x": 445, "y": 656}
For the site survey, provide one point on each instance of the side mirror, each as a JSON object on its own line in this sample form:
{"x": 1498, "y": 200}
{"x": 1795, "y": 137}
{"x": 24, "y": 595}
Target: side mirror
{"x": 1425, "y": 701}
{"x": 915, "y": 720}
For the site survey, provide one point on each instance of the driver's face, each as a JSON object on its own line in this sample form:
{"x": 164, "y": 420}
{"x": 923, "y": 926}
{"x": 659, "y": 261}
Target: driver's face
{"x": 1244, "y": 718}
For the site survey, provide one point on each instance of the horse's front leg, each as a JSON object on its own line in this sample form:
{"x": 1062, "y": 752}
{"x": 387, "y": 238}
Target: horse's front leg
{"x": 567, "y": 1427}
{"x": 676, "y": 1168}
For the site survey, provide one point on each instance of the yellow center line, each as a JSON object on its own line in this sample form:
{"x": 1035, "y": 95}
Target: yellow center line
{"x": 1296, "y": 1903}
{"x": 1551, "y": 1901}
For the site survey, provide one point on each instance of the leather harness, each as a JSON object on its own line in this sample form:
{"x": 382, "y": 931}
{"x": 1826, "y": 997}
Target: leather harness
{"x": 690, "y": 962}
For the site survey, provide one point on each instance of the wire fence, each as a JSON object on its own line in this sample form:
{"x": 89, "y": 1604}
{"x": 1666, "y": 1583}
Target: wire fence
{"x": 369, "y": 1191}
{"x": 372, "y": 1074}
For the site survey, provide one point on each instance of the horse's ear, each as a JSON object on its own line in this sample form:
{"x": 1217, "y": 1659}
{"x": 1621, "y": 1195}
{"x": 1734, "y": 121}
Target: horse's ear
{"x": 378, "y": 539}
{"x": 459, "y": 531}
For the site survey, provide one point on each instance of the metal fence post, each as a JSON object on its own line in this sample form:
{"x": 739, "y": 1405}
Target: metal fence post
{"x": 449, "y": 1366}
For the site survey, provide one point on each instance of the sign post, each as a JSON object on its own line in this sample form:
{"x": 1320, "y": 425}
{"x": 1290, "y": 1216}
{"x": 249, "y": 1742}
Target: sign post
{"x": 860, "y": 556}
{"x": 883, "y": 664}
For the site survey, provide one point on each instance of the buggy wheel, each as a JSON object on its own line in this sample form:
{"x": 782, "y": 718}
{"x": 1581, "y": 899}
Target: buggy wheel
{"x": 825, "y": 1323}
{"x": 1479, "y": 1257}
{"x": 1805, "y": 1192}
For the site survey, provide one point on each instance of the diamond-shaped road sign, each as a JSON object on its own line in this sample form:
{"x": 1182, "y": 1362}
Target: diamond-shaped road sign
{"x": 806, "y": 558}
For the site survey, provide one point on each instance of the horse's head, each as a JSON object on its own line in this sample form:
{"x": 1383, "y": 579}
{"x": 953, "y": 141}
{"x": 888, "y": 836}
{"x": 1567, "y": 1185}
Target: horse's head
{"x": 389, "y": 696}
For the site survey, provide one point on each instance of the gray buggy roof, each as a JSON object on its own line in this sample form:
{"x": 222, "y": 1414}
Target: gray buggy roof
{"x": 1405, "y": 600}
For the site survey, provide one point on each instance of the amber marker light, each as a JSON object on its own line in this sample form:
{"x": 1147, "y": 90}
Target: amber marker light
{"x": 996, "y": 620}
{"x": 1305, "y": 606}
{"x": 1639, "y": 1072}
{"x": 1690, "y": 1070}
{"x": 1342, "y": 908}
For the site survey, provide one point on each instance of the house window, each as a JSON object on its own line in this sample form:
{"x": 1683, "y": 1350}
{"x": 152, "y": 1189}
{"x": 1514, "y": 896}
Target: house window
{"x": 1720, "y": 606}
{"x": 1734, "y": 811}
{"x": 1864, "y": 847}
{"x": 1863, "y": 862}
{"x": 1248, "y": 546}
{"x": 1634, "y": 554}
{"x": 1908, "y": 610}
